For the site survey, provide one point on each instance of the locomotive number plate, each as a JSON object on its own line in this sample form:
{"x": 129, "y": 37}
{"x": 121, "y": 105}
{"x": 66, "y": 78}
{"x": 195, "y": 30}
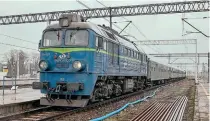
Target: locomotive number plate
{"x": 62, "y": 65}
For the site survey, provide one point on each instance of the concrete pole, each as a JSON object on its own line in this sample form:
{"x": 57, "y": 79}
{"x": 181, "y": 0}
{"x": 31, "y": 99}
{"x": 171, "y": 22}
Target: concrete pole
{"x": 18, "y": 65}
{"x": 196, "y": 63}
{"x": 208, "y": 64}
{"x": 110, "y": 17}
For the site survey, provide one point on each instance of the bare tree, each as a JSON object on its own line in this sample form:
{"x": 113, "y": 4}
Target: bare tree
{"x": 11, "y": 62}
{"x": 35, "y": 62}
{"x": 22, "y": 57}
{"x": 12, "y": 57}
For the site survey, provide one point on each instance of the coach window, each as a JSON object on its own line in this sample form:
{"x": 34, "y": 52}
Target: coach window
{"x": 145, "y": 58}
{"x": 125, "y": 51}
{"x": 133, "y": 54}
{"x": 122, "y": 50}
{"x": 129, "y": 52}
{"x": 142, "y": 58}
{"x": 137, "y": 56}
{"x": 116, "y": 49}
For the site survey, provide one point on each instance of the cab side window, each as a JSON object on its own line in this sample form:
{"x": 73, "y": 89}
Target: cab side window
{"x": 104, "y": 41}
{"x": 100, "y": 43}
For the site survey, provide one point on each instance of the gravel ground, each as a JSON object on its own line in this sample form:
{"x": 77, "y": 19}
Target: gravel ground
{"x": 164, "y": 93}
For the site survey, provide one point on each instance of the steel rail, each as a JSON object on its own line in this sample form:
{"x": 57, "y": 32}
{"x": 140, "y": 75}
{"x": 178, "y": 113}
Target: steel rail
{"x": 176, "y": 110}
{"x": 153, "y": 110}
{"x": 147, "y": 110}
{"x": 176, "y": 113}
{"x": 164, "y": 111}
{"x": 156, "y": 117}
{"x": 21, "y": 114}
{"x": 168, "y": 114}
{"x": 182, "y": 110}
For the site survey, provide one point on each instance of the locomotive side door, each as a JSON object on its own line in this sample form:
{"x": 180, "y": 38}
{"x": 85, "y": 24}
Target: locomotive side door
{"x": 105, "y": 56}
{"x": 99, "y": 56}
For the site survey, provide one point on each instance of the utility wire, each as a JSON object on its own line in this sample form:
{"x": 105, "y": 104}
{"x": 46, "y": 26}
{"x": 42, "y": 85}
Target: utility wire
{"x": 205, "y": 17}
{"x": 17, "y": 46}
{"x": 109, "y": 22}
{"x": 18, "y": 38}
{"x": 103, "y": 18}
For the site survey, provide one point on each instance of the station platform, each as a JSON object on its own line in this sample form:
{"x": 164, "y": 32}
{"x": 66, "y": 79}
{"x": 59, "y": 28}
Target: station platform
{"x": 22, "y": 95}
{"x": 19, "y": 82}
{"x": 202, "y": 99}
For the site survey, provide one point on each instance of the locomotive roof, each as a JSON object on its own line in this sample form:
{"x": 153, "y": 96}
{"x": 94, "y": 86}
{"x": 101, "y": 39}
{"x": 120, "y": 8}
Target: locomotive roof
{"x": 99, "y": 30}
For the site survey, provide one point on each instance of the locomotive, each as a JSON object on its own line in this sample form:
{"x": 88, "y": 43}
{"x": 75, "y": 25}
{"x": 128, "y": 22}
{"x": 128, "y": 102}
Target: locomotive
{"x": 82, "y": 62}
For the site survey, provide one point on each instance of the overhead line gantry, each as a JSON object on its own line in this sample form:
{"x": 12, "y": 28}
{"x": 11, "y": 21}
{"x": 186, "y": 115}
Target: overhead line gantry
{"x": 131, "y": 10}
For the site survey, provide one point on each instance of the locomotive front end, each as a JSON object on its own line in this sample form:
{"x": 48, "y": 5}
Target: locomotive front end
{"x": 65, "y": 63}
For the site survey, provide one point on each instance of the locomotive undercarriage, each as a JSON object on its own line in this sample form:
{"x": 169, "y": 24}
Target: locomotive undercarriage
{"x": 108, "y": 87}
{"x": 105, "y": 88}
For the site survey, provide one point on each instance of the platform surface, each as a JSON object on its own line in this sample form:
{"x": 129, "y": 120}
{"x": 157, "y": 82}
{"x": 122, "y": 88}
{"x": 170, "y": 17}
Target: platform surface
{"x": 22, "y": 95}
{"x": 202, "y": 101}
{"x": 18, "y": 82}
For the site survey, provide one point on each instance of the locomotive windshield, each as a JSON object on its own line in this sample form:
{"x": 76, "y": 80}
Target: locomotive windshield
{"x": 72, "y": 38}
{"x": 52, "y": 38}
{"x": 76, "y": 37}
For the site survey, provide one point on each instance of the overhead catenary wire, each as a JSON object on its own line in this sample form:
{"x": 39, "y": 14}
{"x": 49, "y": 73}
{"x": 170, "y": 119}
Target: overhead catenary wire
{"x": 205, "y": 17}
{"x": 103, "y": 18}
{"x": 156, "y": 50}
{"x": 109, "y": 22}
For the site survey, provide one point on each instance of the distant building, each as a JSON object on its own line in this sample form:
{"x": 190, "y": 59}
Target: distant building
{"x": 3, "y": 67}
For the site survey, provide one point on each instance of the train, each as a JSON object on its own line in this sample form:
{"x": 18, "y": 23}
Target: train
{"x": 83, "y": 62}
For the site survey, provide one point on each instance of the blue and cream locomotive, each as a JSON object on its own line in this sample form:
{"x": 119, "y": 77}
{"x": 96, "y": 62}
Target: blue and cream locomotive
{"x": 81, "y": 62}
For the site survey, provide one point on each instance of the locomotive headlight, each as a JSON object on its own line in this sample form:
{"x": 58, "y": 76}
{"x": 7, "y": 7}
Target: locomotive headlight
{"x": 43, "y": 65}
{"x": 64, "y": 22}
{"x": 77, "y": 65}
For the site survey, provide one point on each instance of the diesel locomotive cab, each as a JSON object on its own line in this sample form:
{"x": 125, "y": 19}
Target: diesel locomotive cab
{"x": 64, "y": 63}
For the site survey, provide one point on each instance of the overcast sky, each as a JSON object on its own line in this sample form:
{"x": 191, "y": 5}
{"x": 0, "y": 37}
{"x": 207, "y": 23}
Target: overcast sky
{"x": 155, "y": 27}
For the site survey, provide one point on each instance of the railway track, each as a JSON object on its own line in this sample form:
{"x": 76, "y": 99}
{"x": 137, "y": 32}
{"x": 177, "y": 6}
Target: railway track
{"x": 164, "y": 111}
{"x": 53, "y": 113}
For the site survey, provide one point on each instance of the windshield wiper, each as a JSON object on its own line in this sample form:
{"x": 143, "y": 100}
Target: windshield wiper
{"x": 73, "y": 33}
